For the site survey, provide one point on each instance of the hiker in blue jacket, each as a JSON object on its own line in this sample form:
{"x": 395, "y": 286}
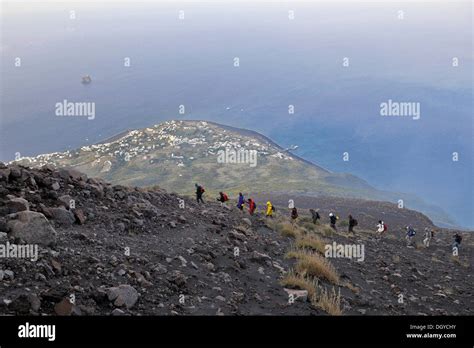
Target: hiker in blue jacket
{"x": 240, "y": 203}
{"x": 410, "y": 234}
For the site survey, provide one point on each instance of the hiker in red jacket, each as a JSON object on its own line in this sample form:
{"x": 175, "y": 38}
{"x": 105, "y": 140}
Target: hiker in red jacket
{"x": 252, "y": 206}
{"x": 222, "y": 198}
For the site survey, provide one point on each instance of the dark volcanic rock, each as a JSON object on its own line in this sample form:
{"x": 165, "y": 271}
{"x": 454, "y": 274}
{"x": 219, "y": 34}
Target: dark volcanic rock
{"x": 62, "y": 216}
{"x": 136, "y": 251}
{"x": 32, "y": 227}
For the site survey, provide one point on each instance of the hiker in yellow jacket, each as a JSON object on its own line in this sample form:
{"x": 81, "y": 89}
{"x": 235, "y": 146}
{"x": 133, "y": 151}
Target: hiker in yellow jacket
{"x": 269, "y": 209}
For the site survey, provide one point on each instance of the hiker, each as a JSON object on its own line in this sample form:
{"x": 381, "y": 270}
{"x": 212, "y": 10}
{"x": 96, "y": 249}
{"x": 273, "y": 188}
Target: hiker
{"x": 428, "y": 236}
{"x": 381, "y": 227}
{"x": 315, "y": 216}
{"x": 240, "y": 203}
{"x": 410, "y": 234}
{"x": 333, "y": 218}
{"x": 352, "y": 223}
{"x": 222, "y": 198}
{"x": 270, "y": 209}
{"x": 252, "y": 206}
{"x": 294, "y": 215}
{"x": 199, "y": 192}
{"x": 457, "y": 242}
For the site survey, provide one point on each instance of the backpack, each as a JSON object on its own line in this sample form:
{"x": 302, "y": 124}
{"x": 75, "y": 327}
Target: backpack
{"x": 273, "y": 208}
{"x": 355, "y": 222}
{"x": 226, "y": 198}
{"x": 385, "y": 228}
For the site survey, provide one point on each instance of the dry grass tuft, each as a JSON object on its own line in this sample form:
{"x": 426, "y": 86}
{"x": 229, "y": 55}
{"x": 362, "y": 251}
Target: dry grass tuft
{"x": 327, "y": 231}
{"x": 330, "y": 302}
{"x": 309, "y": 226}
{"x": 419, "y": 246}
{"x": 287, "y": 229}
{"x": 272, "y": 223}
{"x": 311, "y": 242}
{"x": 297, "y": 281}
{"x": 314, "y": 265}
{"x": 459, "y": 262}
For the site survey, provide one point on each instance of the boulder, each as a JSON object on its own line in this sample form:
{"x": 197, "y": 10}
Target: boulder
{"x": 48, "y": 167}
{"x": 260, "y": 257}
{"x": 45, "y": 210}
{"x": 96, "y": 190}
{"x": 64, "y": 307}
{"x": 32, "y": 182}
{"x": 177, "y": 278}
{"x": 65, "y": 200}
{"x": 247, "y": 221}
{"x": 62, "y": 216}
{"x": 123, "y": 295}
{"x": 34, "y": 301}
{"x": 80, "y": 217}
{"x": 17, "y": 204}
{"x": 32, "y": 227}
{"x": 4, "y": 174}
{"x": 15, "y": 172}
{"x": 297, "y": 294}
{"x": 53, "y": 194}
{"x": 72, "y": 174}
{"x": 9, "y": 274}
{"x": 20, "y": 305}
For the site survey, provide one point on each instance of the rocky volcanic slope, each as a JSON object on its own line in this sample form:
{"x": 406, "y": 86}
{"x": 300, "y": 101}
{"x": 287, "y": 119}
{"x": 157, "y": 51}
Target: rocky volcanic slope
{"x": 173, "y": 251}
{"x": 430, "y": 280}
{"x": 118, "y": 250}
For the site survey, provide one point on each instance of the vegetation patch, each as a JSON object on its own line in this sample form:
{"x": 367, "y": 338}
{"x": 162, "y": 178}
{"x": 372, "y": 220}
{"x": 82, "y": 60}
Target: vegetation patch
{"x": 330, "y": 302}
{"x": 314, "y": 265}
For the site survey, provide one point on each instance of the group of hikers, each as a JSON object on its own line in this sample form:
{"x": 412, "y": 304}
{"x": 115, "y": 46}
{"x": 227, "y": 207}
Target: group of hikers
{"x": 381, "y": 227}
{"x": 428, "y": 236}
{"x": 223, "y": 197}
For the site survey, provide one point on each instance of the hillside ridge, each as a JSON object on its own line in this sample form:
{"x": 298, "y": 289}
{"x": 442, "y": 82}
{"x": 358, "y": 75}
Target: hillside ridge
{"x": 175, "y": 153}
